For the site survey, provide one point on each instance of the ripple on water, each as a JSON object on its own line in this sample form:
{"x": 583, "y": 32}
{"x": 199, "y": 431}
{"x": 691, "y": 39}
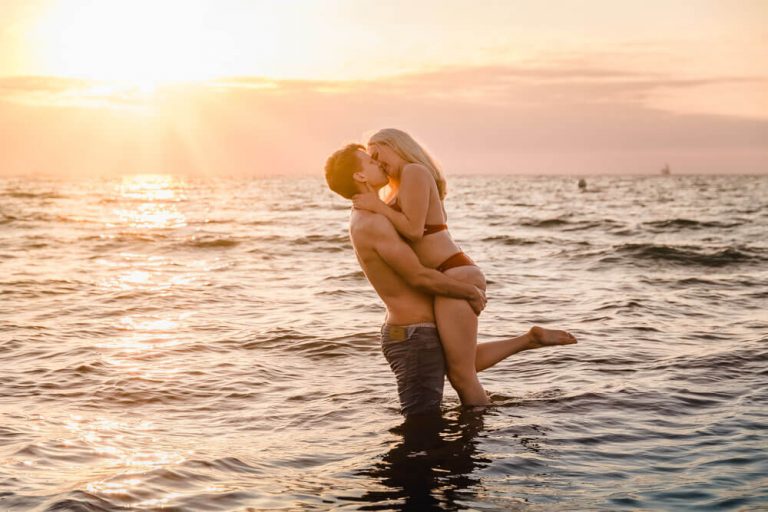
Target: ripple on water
{"x": 212, "y": 344}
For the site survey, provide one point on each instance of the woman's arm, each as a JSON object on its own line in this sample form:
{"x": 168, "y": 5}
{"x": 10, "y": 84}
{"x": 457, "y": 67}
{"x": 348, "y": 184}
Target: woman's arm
{"x": 413, "y": 197}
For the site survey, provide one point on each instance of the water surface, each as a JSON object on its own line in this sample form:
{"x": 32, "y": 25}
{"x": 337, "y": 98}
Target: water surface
{"x": 189, "y": 344}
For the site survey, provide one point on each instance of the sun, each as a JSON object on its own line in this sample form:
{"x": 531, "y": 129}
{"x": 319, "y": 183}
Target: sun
{"x": 144, "y": 43}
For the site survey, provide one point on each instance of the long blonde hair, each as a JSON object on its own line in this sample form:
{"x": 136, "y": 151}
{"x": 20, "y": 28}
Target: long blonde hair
{"x": 412, "y": 152}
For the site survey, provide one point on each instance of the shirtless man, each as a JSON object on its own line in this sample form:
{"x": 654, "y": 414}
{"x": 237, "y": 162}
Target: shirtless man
{"x": 409, "y": 337}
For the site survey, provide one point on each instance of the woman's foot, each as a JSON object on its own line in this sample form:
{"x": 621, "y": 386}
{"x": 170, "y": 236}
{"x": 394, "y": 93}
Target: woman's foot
{"x": 541, "y": 337}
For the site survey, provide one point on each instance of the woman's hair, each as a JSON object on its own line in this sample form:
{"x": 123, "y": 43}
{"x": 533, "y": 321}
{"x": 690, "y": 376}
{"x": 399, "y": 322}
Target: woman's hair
{"x": 340, "y": 168}
{"x": 410, "y": 151}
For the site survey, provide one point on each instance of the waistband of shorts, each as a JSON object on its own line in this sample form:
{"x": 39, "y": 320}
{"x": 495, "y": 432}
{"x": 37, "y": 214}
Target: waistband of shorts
{"x": 391, "y": 333}
{"x": 422, "y": 324}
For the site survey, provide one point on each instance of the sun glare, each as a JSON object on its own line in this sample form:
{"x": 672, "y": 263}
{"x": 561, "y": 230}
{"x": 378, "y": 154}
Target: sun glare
{"x": 153, "y": 207}
{"x": 141, "y": 43}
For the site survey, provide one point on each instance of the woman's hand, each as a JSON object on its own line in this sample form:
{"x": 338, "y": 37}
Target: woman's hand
{"x": 479, "y": 301}
{"x": 368, "y": 201}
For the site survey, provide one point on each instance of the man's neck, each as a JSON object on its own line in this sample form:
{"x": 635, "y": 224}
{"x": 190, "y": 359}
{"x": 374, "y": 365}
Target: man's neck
{"x": 367, "y": 187}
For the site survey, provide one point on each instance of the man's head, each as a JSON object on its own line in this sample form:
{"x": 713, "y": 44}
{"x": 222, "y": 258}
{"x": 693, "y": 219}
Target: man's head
{"x": 351, "y": 170}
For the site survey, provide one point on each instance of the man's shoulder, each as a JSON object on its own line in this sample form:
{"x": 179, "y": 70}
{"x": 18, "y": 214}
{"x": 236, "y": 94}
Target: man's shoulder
{"x": 366, "y": 229}
{"x": 364, "y": 223}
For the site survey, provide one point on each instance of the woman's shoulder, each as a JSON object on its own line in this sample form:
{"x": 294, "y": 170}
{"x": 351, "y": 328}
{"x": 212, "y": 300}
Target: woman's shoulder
{"x": 416, "y": 172}
{"x": 415, "y": 168}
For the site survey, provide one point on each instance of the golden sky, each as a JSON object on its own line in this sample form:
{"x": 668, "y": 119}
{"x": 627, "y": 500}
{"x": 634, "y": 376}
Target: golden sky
{"x": 260, "y": 87}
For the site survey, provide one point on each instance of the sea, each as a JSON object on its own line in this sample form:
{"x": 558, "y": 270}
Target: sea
{"x": 175, "y": 343}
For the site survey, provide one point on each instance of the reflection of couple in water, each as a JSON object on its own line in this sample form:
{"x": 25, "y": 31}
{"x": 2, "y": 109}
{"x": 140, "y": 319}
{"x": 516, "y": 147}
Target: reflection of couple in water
{"x": 430, "y": 465}
{"x": 434, "y": 460}
{"x": 433, "y": 292}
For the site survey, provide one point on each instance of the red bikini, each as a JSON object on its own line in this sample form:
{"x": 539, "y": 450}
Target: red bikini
{"x": 460, "y": 259}
{"x": 428, "y": 228}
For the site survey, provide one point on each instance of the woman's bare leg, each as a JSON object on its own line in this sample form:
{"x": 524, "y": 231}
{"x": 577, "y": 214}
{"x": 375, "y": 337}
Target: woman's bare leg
{"x": 457, "y": 324}
{"x": 464, "y": 357}
{"x": 490, "y": 353}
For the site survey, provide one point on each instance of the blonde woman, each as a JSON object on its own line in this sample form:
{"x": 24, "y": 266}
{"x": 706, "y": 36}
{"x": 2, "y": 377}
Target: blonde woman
{"x": 415, "y": 207}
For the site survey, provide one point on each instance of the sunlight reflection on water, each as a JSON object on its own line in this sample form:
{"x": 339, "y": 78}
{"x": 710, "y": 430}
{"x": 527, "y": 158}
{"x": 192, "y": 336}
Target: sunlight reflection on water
{"x": 152, "y": 202}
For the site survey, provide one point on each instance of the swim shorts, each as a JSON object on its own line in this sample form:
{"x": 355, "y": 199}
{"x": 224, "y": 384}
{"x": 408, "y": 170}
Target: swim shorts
{"x": 416, "y": 357}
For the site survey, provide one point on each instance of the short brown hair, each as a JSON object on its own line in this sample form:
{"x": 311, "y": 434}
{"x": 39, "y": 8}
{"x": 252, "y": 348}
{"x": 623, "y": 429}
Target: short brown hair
{"x": 339, "y": 169}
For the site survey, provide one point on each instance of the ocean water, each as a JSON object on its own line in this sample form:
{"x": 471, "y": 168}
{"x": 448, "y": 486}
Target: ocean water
{"x": 211, "y": 344}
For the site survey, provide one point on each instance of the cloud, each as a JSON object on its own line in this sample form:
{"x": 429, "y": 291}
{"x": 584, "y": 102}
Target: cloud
{"x": 523, "y": 85}
{"x": 45, "y": 91}
{"x": 520, "y": 119}
{"x": 568, "y": 86}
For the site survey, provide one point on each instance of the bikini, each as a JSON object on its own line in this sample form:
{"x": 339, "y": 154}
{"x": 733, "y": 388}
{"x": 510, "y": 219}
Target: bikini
{"x": 459, "y": 259}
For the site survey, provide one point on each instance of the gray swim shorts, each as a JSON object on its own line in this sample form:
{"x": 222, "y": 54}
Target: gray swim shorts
{"x": 416, "y": 357}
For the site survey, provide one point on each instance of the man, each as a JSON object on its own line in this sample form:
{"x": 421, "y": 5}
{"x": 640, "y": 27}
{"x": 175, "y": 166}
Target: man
{"x": 410, "y": 340}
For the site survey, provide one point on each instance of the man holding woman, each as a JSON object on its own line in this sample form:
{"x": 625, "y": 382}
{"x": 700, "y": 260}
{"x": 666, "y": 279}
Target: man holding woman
{"x": 432, "y": 290}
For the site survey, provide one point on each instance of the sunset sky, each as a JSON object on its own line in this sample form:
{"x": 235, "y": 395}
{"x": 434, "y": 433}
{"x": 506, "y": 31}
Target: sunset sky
{"x": 261, "y": 88}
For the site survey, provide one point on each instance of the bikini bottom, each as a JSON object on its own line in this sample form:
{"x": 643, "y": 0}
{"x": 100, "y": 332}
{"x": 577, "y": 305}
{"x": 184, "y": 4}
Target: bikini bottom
{"x": 457, "y": 260}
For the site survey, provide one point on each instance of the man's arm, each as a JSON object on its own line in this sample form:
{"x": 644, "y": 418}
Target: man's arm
{"x": 399, "y": 255}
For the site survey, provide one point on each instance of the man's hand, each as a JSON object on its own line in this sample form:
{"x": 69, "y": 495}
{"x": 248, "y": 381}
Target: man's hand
{"x": 368, "y": 201}
{"x": 478, "y": 302}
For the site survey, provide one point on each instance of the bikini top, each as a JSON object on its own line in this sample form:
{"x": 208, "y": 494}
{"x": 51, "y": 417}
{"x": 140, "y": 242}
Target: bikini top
{"x": 428, "y": 228}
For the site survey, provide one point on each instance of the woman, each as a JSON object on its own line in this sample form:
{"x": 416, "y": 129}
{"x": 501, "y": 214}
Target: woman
{"x": 414, "y": 205}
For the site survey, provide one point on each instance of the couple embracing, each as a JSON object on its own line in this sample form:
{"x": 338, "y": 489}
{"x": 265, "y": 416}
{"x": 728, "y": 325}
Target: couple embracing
{"x": 433, "y": 291}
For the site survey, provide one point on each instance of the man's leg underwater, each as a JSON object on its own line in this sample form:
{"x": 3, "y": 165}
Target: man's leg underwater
{"x": 416, "y": 358}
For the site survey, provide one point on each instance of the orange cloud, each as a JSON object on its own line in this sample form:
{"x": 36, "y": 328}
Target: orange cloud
{"x": 476, "y": 120}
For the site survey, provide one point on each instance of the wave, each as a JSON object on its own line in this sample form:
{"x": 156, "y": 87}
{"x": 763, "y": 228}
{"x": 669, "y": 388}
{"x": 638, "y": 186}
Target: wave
{"x": 127, "y": 237}
{"x": 229, "y": 464}
{"x": 41, "y": 287}
{"x": 621, "y": 304}
{"x": 217, "y": 221}
{"x": 749, "y": 359}
{"x": 141, "y": 200}
{"x": 334, "y": 242}
{"x": 687, "y": 255}
{"x": 322, "y": 243}
{"x": 618, "y": 227}
{"x": 545, "y": 223}
{"x": 195, "y": 242}
{"x": 289, "y": 340}
{"x": 42, "y": 217}
{"x": 209, "y": 243}
{"x": 681, "y": 223}
{"x": 82, "y": 501}
{"x": 510, "y": 240}
{"x": 604, "y": 224}
{"x": 574, "y": 225}
{"x": 354, "y": 276}
{"x": 23, "y": 194}
{"x": 314, "y": 239}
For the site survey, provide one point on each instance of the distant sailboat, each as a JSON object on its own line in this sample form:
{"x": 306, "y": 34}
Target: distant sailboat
{"x": 665, "y": 171}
